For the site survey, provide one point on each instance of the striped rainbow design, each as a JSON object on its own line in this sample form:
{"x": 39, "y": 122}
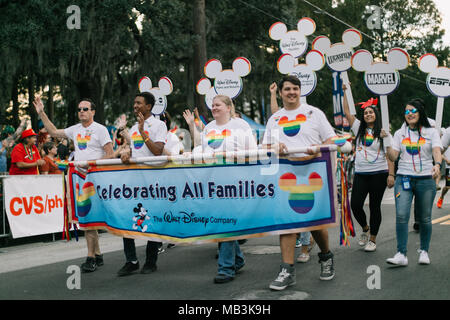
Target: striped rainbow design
{"x": 83, "y": 141}
{"x": 291, "y": 127}
{"x": 413, "y": 148}
{"x": 215, "y": 139}
{"x": 340, "y": 140}
{"x": 83, "y": 200}
{"x": 301, "y": 197}
{"x": 138, "y": 142}
{"x": 62, "y": 164}
{"x": 369, "y": 139}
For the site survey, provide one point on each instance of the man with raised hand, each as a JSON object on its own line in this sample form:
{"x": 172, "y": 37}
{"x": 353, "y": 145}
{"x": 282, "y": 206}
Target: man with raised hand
{"x": 148, "y": 139}
{"x": 315, "y": 130}
{"x": 92, "y": 142}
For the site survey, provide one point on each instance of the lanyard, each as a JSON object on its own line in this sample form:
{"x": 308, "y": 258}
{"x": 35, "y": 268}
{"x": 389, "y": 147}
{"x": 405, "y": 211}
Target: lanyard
{"x": 418, "y": 151}
{"x": 29, "y": 155}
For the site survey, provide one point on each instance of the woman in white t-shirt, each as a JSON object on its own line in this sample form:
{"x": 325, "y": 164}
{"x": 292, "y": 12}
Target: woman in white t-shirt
{"x": 227, "y": 133}
{"x": 417, "y": 144}
{"x": 372, "y": 171}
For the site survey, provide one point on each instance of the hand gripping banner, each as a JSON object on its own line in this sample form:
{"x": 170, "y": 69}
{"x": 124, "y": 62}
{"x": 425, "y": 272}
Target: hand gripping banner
{"x": 207, "y": 202}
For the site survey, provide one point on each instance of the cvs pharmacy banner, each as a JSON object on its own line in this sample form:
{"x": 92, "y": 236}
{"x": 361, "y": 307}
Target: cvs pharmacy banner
{"x": 34, "y": 204}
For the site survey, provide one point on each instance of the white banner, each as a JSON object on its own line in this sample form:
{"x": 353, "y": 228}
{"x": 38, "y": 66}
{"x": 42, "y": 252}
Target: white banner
{"x": 34, "y": 204}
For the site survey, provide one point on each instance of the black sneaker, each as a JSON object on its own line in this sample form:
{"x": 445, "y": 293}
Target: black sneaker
{"x": 128, "y": 269}
{"x": 89, "y": 265}
{"x": 222, "y": 278}
{"x": 148, "y": 268}
{"x": 99, "y": 260}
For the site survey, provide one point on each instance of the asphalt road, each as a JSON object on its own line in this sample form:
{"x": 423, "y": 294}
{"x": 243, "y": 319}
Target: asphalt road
{"x": 39, "y": 271}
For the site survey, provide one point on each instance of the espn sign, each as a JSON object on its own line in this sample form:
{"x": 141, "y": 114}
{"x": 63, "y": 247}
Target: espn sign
{"x": 34, "y": 204}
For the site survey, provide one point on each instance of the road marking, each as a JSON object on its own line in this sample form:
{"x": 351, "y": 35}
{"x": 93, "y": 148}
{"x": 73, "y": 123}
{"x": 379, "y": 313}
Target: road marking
{"x": 441, "y": 219}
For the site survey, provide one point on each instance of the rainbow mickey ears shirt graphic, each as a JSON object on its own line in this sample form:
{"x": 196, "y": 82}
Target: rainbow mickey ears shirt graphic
{"x": 83, "y": 141}
{"x": 83, "y": 198}
{"x": 413, "y": 148}
{"x": 291, "y": 127}
{"x": 137, "y": 139}
{"x": 301, "y": 197}
{"x": 215, "y": 139}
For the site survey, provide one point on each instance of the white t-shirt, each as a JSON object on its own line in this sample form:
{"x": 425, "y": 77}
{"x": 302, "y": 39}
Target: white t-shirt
{"x": 369, "y": 157}
{"x": 301, "y": 127}
{"x": 235, "y": 135}
{"x": 88, "y": 141}
{"x": 156, "y": 131}
{"x": 416, "y": 154}
{"x": 446, "y": 138}
{"x": 173, "y": 144}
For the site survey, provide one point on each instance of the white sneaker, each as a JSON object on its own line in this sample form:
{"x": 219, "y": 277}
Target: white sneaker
{"x": 399, "y": 259}
{"x": 304, "y": 257}
{"x": 423, "y": 258}
{"x": 371, "y": 246}
{"x": 363, "y": 238}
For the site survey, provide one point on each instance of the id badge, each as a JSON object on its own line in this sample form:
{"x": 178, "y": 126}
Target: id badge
{"x": 406, "y": 183}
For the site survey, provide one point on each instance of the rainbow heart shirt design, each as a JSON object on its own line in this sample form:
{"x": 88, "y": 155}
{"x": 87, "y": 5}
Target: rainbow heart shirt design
{"x": 413, "y": 148}
{"x": 137, "y": 139}
{"x": 291, "y": 127}
{"x": 83, "y": 141}
{"x": 83, "y": 199}
{"x": 301, "y": 196}
{"x": 215, "y": 139}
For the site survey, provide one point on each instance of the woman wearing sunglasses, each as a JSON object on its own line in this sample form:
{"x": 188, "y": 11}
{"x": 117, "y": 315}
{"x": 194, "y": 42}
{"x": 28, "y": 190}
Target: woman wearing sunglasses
{"x": 372, "y": 171}
{"x": 417, "y": 144}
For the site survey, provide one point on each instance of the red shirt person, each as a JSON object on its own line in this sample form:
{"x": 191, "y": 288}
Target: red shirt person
{"x": 25, "y": 157}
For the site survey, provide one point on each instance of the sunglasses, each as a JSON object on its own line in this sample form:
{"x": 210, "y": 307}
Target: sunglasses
{"x": 83, "y": 109}
{"x": 414, "y": 110}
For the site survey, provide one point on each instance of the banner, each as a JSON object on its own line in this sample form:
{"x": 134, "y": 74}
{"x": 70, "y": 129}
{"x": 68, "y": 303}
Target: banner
{"x": 34, "y": 204}
{"x": 206, "y": 202}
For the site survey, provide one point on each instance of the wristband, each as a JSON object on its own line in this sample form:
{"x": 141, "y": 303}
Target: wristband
{"x": 145, "y": 141}
{"x": 392, "y": 175}
{"x": 440, "y": 164}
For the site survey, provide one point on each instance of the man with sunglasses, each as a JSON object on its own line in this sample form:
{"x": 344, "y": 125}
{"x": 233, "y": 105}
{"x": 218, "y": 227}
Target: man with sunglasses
{"x": 92, "y": 142}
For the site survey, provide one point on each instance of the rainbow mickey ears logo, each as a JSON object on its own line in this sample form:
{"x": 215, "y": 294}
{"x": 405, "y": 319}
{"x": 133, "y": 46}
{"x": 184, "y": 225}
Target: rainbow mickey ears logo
{"x": 82, "y": 141}
{"x": 83, "y": 199}
{"x": 413, "y": 148}
{"x": 215, "y": 139}
{"x": 301, "y": 197}
{"x": 137, "y": 139}
{"x": 291, "y": 127}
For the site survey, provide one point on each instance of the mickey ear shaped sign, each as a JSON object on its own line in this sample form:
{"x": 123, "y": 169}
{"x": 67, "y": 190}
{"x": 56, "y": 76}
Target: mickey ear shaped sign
{"x": 381, "y": 78}
{"x": 304, "y": 72}
{"x": 293, "y": 42}
{"x": 438, "y": 82}
{"x": 338, "y": 56}
{"x": 226, "y": 82}
{"x": 164, "y": 88}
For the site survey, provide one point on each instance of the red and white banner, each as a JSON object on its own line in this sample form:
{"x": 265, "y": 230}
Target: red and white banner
{"x": 34, "y": 204}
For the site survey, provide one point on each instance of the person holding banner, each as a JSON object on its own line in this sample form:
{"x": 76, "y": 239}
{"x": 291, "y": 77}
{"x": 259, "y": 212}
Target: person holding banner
{"x": 92, "y": 142}
{"x": 25, "y": 157}
{"x": 315, "y": 130}
{"x": 417, "y": 144}
{"x": 50, "y": 151}
{"x": 148, "y": 137}
{"x": 372, "y": 171}
{"x": 227, "y": 133}
{"x": 446, "y": 156}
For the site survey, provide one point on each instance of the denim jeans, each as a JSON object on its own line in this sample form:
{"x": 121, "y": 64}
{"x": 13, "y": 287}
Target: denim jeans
{"x": 305, "y": 238}
{"x": 424, "y": 190}
{"x": 230, "y": 259}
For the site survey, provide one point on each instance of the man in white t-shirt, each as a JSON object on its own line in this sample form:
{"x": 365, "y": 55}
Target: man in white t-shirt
{"x": 148, "y": 137}
{"x": 92, "y": 142}
{"x": 298, "y": 125}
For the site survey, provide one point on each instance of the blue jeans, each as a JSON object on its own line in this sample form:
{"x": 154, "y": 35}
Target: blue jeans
{"x": 424, "y": 190}
{"x": 230, "y": 259}
{"x": 305, "y": 238}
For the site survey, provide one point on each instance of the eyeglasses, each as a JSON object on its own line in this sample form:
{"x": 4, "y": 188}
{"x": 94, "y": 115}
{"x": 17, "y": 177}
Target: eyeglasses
{"x": 414, "y": 110}
{"x": 83, "y": 109}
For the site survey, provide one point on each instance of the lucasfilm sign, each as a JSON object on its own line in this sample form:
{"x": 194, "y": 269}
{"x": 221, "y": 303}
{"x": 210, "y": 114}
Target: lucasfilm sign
{"x": 339, "y": 58}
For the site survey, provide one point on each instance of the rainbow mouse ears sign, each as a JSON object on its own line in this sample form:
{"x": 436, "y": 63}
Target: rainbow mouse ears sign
{"x": 305, "y": 72}
{"x": 438, "y": 82}
{"x": 381, "y": 78}
{"x": 227, "y": 82}
{"x": 164, "y": 89}
{"x": 338, "y": 56}
{"x": 293, "y": 42}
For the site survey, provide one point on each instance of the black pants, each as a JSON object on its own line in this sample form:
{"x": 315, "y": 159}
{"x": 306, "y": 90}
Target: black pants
{"x": 151, "y": 251}
{"x": 374, "y": 185}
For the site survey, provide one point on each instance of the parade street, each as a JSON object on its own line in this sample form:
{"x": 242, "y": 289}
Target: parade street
{"x": 43, "y": 270}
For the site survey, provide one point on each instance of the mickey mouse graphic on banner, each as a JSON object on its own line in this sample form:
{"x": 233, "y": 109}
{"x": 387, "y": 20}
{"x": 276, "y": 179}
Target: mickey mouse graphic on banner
{"x": 164, "y": 88}
{"x": 438, "y": 82}
{"x": 227, "y": 82}
{"x": 381, "y": 78}
{"x": 293, "y": 45}
{"x": 338, "y": 56}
